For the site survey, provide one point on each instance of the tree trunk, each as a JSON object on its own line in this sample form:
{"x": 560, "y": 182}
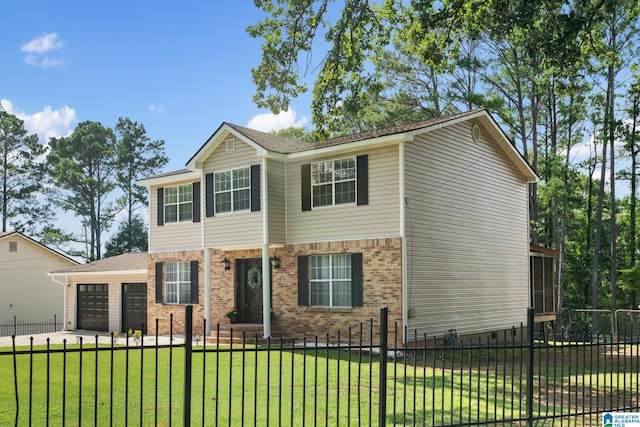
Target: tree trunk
{"x": 598, "y": 238}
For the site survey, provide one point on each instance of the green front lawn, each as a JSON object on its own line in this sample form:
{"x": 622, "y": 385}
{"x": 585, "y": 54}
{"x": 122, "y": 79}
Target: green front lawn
{"x": 287, "y": 387}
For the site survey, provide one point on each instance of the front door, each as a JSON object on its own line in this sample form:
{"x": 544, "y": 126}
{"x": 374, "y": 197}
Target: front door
{"x": 249, "y": 290}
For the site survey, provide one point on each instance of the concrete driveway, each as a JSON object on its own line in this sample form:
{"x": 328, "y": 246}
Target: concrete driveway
{"x": 88, "y": 339}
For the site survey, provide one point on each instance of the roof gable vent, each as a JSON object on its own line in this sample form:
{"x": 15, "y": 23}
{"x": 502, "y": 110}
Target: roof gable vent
{"x": 231, "y": 144}
{"x": 475, "y": 133}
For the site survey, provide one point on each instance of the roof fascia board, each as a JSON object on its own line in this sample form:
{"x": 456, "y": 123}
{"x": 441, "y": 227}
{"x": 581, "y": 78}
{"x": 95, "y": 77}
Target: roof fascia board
{"x": 196, "y": 162}
{"x": 352, "y": 146}
{"x": 99, "y": 273}
{"x": 167, "y": 179}
{"x": 509, "y": 148}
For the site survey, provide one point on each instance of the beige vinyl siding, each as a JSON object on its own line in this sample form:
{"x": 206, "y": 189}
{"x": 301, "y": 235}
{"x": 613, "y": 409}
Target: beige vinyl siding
{"x": 380, "y": 218}
{"x": 114, "y": 282}
{"x": 276, "y": 177}
{"x": 234, "y": 228}
{"x": 27, "y": 292}
{"x": 467, "y": 234}
{"x": 172, "y": 236}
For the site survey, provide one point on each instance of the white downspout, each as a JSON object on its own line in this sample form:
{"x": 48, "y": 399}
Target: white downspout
{"x": 405, "y": 285}
{"x": 64, "y": 304}
{"x": 266, "y": 263}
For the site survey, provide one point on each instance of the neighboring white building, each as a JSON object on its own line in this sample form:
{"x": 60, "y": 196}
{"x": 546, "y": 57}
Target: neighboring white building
{"x": 27, "y": 292}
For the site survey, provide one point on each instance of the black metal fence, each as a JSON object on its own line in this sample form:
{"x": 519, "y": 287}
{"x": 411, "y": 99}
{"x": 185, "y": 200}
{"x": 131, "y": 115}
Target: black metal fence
{"x": 503, "y": 379}
{"x": 25, "y": 327}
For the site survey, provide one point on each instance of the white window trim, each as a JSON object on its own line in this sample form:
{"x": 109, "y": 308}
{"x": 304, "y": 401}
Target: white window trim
{"x": 331, "y": 281}
{"x": 180, "y": 265}
{"x": 334, "y": 182}
{"x": 232, "y": 191}
{"x": 177, "y": 204}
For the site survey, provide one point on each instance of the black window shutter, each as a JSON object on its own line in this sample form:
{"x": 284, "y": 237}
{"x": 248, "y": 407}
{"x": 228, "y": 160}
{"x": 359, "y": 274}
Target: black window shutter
{"x": 303, "y": 280}
{"x": 194, "y": 282}
{"x": 255, "y": 188}
{"x": 306, "y": 186}
{"x": 362, "y": 167}
{"x": 159, "y": 282}
{"x": 356, "y": 280}
{"x": 196, "y": 201}
{"x": 161, "y": 206}
{"x": 208, "y": 188}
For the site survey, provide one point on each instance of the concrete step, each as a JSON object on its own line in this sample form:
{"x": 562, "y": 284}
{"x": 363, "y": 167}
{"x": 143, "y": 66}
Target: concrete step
{"x": 253, "y": 333}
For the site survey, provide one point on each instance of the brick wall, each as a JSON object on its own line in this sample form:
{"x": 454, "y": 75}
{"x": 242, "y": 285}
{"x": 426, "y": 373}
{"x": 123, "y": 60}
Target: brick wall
{"x": 161, "y": 311}
{"x": 382, "y": 286}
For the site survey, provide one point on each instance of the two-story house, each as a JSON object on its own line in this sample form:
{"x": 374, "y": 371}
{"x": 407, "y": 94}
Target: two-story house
{"x": 429, "y": 219}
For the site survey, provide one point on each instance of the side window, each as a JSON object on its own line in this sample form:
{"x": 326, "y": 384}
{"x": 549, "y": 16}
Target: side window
{"x": 335, "y": 182}
{"x": 178, "y": 203}
{"x": 177, "y": 282}
{"x": 233, "y": 190}
{"x": 331, "y": 280}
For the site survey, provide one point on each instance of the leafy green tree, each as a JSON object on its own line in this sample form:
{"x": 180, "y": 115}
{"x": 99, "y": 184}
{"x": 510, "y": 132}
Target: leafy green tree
{"x": 83, "y": 168}
{"x": 295, "y": 133}
{"x": 137, "y": 156}
{"x": 131, "y": 236}
{"x": 20, "y": 176}
{"x": 543, "y": 68}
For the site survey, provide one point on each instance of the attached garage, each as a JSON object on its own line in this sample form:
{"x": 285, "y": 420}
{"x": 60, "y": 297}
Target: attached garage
{"x": 93, "y": 307}
{"x": 105, "y": 295}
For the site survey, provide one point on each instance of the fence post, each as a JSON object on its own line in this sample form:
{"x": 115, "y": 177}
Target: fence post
{"x": 15, "y": 326}
{"x": 384, "y": 319}
{"x": 530, "y": 348}
{"x": 188, "y": 322}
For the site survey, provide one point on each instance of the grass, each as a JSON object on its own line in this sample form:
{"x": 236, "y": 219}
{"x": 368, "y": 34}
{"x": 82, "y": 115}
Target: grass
{"x": 323, "y": 386}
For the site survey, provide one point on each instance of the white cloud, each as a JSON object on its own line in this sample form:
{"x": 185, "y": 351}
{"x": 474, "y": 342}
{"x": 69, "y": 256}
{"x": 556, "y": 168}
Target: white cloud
{"x": 156, "y": 108}
{"x": 37, "y": 47}
{"x": 42, "y": 44}
{"x": 47, "y": 123}
{"x": 274, "y": 122}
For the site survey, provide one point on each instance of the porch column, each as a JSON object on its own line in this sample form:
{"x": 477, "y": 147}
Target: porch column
{"x": 207, "y": 289}
{"x": 266, "y": 291}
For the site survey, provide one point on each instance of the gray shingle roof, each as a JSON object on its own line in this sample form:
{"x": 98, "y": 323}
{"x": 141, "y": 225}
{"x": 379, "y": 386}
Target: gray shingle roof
{"x": 284, "y": 145}
{"x": 124, "y": 262}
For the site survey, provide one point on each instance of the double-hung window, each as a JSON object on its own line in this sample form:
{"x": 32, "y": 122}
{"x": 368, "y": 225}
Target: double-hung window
{"x": 178, "y": 203}
{"x": 177, "y": 283}
{"x": 330, "y": 280}
{"x": 333, "y": 182}
{"x": 232, "y": 190}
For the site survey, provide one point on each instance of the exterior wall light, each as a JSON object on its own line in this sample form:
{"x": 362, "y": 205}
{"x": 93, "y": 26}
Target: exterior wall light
{"x": 275, "y": 262}
{"x": 226, "y": 263}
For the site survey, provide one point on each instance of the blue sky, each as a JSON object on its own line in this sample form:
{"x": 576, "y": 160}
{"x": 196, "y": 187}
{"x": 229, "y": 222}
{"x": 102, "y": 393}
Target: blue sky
{"x": 180, "y": 68}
